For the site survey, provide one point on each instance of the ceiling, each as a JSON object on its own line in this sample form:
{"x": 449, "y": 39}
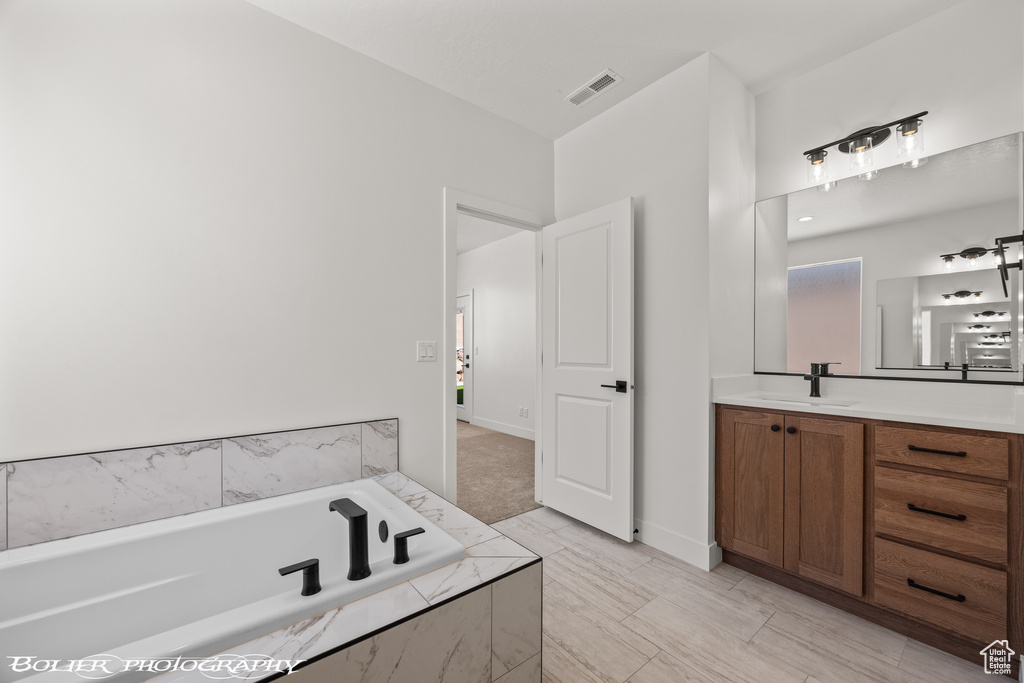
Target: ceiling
{"x": 520, "y": 58}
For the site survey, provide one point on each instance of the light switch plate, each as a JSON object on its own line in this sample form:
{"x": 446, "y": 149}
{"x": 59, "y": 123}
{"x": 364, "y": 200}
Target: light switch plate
{"x": 426, "y": 351}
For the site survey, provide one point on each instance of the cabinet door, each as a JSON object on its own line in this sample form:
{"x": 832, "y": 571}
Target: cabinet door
{"x": 750, "y": 480}
{"x": 824, "y": 517}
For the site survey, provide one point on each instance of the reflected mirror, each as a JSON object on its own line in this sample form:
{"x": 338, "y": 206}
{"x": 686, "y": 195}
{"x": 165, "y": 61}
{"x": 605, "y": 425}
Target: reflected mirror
{"x": 898, "y": 276}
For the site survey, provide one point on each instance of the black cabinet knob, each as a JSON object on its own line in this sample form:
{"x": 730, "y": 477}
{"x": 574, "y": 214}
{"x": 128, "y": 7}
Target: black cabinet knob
{"x": 775, "y": 428}
{"x": 791, "y": 430}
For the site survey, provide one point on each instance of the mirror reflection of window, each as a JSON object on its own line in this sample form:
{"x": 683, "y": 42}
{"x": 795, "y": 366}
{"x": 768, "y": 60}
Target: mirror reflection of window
{"x": 823, "y": 316}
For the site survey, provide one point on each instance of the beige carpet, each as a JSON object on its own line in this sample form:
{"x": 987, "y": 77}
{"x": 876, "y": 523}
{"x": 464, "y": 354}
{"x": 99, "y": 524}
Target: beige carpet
{"x": 495, "y": 473}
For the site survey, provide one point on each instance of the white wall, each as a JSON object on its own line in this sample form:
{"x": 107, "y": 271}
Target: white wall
{"x": 655, "y": 147}
{"x": 503, "y": 278}
{"x": 216, "y": 223}
{"x": 964, "y": 65}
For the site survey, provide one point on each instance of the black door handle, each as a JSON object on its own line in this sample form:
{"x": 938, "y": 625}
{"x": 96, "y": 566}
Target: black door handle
{"x": 791, "y": 430}
{"x": 775, "y": 428}
{"x": 619, "y": 386}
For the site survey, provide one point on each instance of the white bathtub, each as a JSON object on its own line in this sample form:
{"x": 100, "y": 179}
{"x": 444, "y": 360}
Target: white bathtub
{"x": 199, "y": 584}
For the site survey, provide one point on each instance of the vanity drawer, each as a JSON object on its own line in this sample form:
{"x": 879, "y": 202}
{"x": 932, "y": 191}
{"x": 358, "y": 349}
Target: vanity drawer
{"x": 951, "y": 594}
{"x": 971, "y": 519}
{"x": 982, "y": 456}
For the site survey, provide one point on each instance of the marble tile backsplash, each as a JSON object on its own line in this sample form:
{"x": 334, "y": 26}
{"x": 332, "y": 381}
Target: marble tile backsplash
{"x": 268, "y": 465}
{"x": 66, "y": 496}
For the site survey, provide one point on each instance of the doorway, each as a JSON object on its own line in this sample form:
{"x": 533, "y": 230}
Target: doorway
{"x": 478, "y": 410}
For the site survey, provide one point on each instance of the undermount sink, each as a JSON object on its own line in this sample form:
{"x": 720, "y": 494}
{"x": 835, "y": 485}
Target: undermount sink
{"x": 806, "y": 400}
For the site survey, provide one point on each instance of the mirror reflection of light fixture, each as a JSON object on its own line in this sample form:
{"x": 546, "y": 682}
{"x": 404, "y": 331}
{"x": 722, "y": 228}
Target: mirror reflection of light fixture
{"x": 990, "y": 314}
{"x": 828, "y": 186}
{"x": 979, "y": 327}
{"x": 860, "y": 146}
{"x": 947, "y": 260}
{"x": 961, "y": 297}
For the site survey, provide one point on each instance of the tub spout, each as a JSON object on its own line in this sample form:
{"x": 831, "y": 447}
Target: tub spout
{"x": 358, "y": 543}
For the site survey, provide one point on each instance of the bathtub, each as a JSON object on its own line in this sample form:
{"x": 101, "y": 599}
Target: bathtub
{"x": 194, "y": 585}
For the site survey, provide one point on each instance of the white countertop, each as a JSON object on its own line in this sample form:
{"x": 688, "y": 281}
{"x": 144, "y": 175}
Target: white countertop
{"x": 968, "y": 406}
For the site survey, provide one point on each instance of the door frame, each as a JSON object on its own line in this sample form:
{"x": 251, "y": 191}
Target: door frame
{"x": 455, "y": 202}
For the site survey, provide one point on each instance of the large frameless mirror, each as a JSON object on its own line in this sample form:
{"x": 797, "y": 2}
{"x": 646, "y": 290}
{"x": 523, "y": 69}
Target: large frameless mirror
{"x": 899, "y": 276}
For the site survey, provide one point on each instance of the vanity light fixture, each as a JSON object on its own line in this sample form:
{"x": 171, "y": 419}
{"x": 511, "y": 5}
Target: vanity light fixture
{"x": 817, "y": 171}
{"x": 860, "y": 146}
{"x": 962, "y": 296}
{"x": 972, "y": 254}
{"x": 910, "y": 142}
{"x": 990, "y": 314}
{"x": 979, "y": 327}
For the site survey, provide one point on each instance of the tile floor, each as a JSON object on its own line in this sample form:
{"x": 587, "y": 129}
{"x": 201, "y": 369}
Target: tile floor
{"x": 617, "y": 612}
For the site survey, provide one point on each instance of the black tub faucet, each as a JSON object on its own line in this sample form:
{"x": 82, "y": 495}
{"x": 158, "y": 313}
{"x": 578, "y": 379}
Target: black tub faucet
{"x": 818, "y": 370}
{"x": 358, "y": 543}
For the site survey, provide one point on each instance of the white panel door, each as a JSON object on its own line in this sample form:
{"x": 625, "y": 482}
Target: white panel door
{"x": 587, "y": 368}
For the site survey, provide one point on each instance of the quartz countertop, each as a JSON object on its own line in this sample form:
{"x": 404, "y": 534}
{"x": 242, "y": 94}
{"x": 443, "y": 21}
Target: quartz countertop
{"x": 967, "y": 406}
{"x": 489, "y": 556}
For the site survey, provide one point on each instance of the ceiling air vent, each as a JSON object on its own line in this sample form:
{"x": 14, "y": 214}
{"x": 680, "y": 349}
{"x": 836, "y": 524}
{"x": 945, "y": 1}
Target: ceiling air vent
{"x": 597, "y": 85}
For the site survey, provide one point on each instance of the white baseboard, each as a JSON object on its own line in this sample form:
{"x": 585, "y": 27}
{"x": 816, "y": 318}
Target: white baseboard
{"x": 686, "y": 549}
{"x": 521, "y": 432}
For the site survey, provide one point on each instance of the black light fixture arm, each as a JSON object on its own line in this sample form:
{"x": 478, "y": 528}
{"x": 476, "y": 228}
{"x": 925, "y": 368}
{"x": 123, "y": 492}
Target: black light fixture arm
{"x": 865, "y": 132}
{"x": 1003, "y": 265}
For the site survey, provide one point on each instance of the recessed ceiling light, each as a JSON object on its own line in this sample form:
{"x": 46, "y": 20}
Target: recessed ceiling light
{"x": 804, "y": 219}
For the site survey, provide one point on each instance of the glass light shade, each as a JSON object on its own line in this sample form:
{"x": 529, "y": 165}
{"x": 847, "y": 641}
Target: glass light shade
{"x": 948, "y": 261}
{"x": 828, "y": 186}
{"x": 909, "y": 139}
{"x": 869, "y": 175}
{"x": 861, "y": 154}
{"x": 972, "y": 261}
{"x": 947, "y": 299}
{"x": 817, "y": 167}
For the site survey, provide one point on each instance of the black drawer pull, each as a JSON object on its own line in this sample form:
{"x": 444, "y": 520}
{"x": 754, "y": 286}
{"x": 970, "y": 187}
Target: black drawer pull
{"x": 959, "y": 518}
{"x": 958, "y": 454}
{"x": 913, "y": 584}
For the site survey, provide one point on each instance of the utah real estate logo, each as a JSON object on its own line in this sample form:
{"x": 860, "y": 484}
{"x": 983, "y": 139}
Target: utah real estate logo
{"x": 997, "y": 657}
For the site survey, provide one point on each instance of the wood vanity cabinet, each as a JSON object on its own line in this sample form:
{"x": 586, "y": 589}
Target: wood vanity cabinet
{"x": 918, "y": 528}
{"x": 790, "y": 493}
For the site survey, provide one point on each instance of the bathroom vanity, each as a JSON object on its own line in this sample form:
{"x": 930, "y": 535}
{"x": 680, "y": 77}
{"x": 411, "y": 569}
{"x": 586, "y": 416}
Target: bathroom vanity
{"x": 917, "y": 527}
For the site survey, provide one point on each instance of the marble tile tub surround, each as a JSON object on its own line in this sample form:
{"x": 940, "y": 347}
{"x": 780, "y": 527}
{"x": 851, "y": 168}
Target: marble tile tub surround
{"x": 969, "y": 406}
{"x": 496, "y": 570}
{"x": 52, "y": 498}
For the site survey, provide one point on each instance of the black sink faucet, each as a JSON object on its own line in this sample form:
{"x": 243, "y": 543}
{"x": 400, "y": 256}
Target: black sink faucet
{"x": 818, "y": 370}
{"x": 358, "y": 543}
